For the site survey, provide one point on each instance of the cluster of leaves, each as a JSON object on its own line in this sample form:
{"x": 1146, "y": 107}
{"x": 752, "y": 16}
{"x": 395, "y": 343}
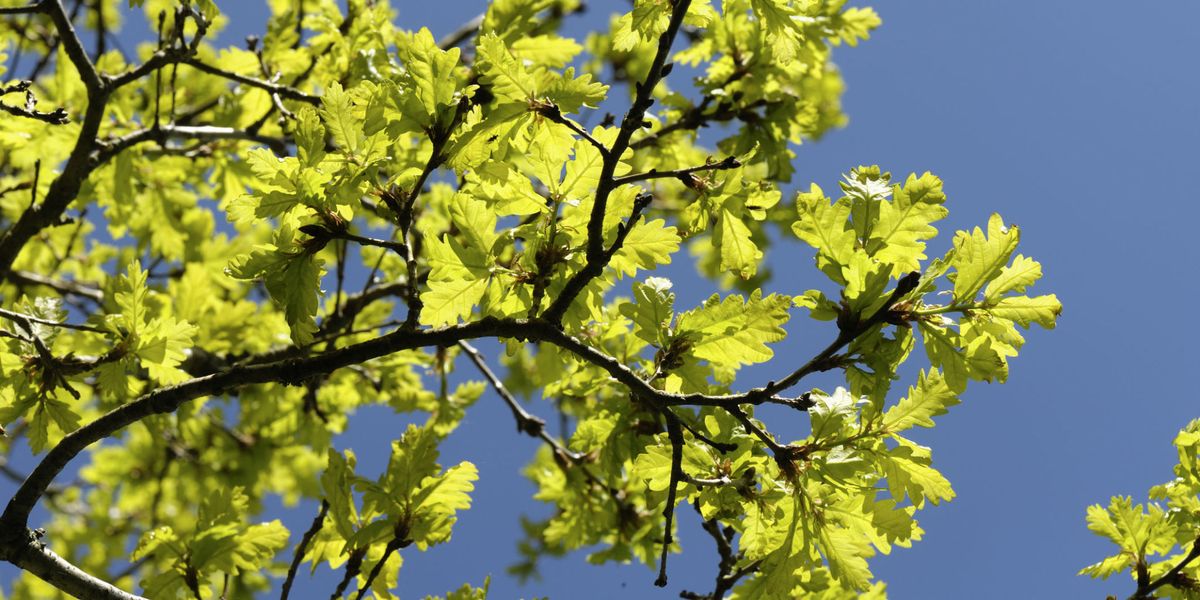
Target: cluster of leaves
{"x": 1158, "y": 544}
{"x": 449, "y": 193}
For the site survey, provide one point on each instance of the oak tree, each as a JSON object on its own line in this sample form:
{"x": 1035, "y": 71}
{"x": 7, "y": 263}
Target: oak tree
{"x": 211, "y": 257}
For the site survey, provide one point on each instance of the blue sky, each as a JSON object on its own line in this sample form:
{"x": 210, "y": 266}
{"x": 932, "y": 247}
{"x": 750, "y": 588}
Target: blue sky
{"x": 1077, "y": 121}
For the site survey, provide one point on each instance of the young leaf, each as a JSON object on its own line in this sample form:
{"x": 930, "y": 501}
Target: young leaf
{"x": 929, "y": 398}
{"x": 979, "y": 259}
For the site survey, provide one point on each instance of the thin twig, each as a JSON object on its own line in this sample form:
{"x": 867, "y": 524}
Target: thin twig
{"x": 72, "y": 288}
{"x": 681, "y": 174}
{"x": 1170, "y": 577}
{"x": 393, "y": 545}
{"x": 24, "y": 319}
{"x": 675, "y": 434}
{"x": 552, "y": 112}
{"x": 526, "y": 423}
{"x": 463, "y": 33}
{"x": 56, "y": 117}
{"x": 302, "y": 547}
{"x": 161, "y": 133}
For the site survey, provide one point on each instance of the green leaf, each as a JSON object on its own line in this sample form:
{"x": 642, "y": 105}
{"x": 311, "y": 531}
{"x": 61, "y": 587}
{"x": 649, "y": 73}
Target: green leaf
{"x": 1043, "y": 310}
{"x": 467, "y": 592}
{"x": 847, "y": 553}
{"x": 647, "y": 245}
{"x": 739, "y": 254}
{"x": 825, "y": 227}
{"x": 654, "y": 467}
{"x": 569, "y": 93}
{"x": 735, "y": 331}
{"x": 438, "y": 500}
{"x": 292, "y": 276}
{"x": 430, "y": 82}
{"x": 931, "y": 397}
{"x": 961, "y": 360}
{"x": 652, "y": 310}
{"x": 506, "y": 76}
{"x": 476, "y": 223}
{"x": 780, "y": 20}
{"x": 979, "y": 259}
{"x": 854, "y": 24}
{"x": 908, "y": 472}
{"x": 546, "y": 50}
{"x": 1138, "y": 530}
{"x": 337, "y": 109}
{"x": 163, "y": 346}
{"x": 1022, "y": 273}
{"x": 904, "y": 223}
{"x": 448, "y": 301}
{"x": 310, "y": 137}
{"x": 131, "y": 298}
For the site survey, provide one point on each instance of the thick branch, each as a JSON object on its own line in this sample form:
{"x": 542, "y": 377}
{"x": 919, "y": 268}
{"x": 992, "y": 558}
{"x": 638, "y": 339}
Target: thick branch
{"x": 296, "y": 370}
{"x": 75, "y": 51}
{"x": 31, "y": 555}
{"x": 66, "y": 186}
{"x": 168, "y": 399}
{"x": 28, "y": 9}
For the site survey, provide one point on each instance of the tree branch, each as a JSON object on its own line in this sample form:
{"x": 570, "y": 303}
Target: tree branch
{"x": 680, "y": 174}
{"x": 294, "y": 371}
{"x": 302, "y": 547}
{"x": 33, "y": 556}
{"x": 1145, "y": 591}
{"x": 821, "y": 362}
{"x": 675, "y": 434}
{"x": 70, "y": 40}
{"x": 66, "y": 288}
{"x": 66, "y": 186}
{"x": 160, "y": 133}
{"x": 726, "y": 577}
{"x": 527, "y": 423}
{"x": 282, "y": 91}
{"x": 463, "y": 33}
{"x": 28, "y": 9}
{"x": 287, "y": 371}
{"x": 353, "y": 568}
{"x": 554, "y": 115}
{"x": 393, "y": 545}
{"x": 25, "y": 321}
{"x": 56, "y": 117}
{"x": 597, "y": 258}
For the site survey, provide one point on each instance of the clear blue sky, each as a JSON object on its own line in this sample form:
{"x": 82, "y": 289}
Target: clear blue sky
{"x": 1077, "y": 121}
